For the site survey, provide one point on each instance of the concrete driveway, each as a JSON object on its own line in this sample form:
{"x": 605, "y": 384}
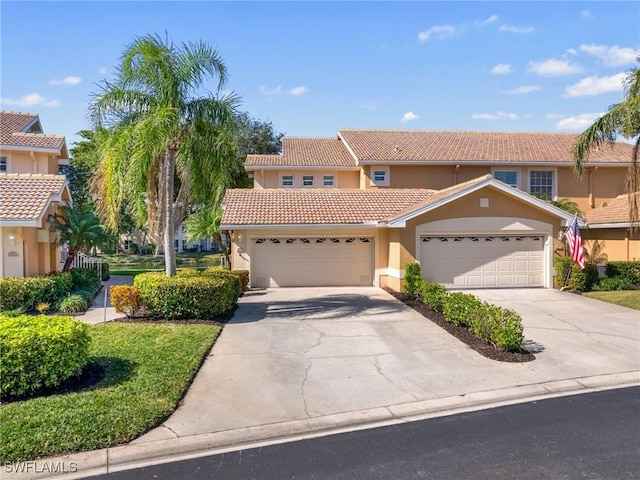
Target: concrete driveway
{"x": 301, "y": 354}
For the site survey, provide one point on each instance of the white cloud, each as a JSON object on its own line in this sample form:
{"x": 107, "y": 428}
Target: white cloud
{"x": 487, "y": 21}
{"x": 585, "y": 13}
{"x": 369, "y": 106}
{"x": 515, "y": 29}
{"x": 501, "y": 69}
{"x": 552, "y": 116}
{"x": 103, "y": 71}
{"x": 409, "y": 116}
{"x": 553, "y": 67}
{"x": 611, "y": 56}
{"x": 70, "y": 80}
{"x": 438, "y": 31}
{"x": 592, "y": 86}
{"x": 523, "y": 89}
{"x": 571, "y": 51}
{"x": 495, "y": 116}
{"x": 577, "y": 122}
{"x": 298, "y": 90}
{"x": 30, "y": 100}
{"x": 270, "y": 92}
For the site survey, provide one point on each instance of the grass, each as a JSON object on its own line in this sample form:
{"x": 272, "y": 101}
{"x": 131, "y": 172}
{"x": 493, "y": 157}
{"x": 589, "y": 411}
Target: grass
{"x": 624, "y": 298}
{"x": 120, "y": 261}
{"x": 147, "y": 369}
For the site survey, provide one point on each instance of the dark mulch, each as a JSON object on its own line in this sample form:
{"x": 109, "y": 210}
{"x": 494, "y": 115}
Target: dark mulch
{"x": 462, "y": 334}
{"x": 145, "y": 317}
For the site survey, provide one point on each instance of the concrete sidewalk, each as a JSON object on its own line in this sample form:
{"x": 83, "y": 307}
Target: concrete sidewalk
{"x": 297, "y": 363}
{"x": 101, "y": 311}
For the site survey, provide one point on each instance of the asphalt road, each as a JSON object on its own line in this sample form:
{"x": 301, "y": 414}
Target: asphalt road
{"x": 590, "y": 436}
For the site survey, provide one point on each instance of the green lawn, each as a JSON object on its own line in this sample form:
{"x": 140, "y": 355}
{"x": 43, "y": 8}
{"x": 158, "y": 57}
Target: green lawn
{"x": 148, "y": 367}
{"x": 120, "y": 262}
{"x": 624, "y": 298}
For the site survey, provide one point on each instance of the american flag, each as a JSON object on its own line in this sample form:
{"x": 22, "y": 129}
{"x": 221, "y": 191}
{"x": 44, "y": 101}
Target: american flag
{"x": 574, "y": 243}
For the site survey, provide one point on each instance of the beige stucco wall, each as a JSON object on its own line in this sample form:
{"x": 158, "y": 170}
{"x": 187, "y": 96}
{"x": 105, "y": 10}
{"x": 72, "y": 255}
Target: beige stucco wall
{"x": 24, "y": 162}
{"x": 617, "y": 243}
{"x": 272, "y": 178}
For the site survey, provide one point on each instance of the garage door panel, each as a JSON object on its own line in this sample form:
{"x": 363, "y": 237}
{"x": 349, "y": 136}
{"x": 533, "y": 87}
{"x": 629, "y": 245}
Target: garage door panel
{"x": 483, "y": 261}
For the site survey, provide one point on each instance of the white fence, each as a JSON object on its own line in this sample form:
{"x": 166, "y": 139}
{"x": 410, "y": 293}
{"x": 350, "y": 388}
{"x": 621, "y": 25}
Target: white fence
{"x": 84, "y": 261}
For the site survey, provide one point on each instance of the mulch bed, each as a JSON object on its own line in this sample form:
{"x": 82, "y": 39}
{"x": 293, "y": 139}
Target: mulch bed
{"x": 483, "y": 348}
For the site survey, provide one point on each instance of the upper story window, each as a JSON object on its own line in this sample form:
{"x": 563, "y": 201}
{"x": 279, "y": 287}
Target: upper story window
{"x": 380, "y": 176}
{"x": 510, "y": 177}
{"x": 307, "y": 180}
{"x": 328, "y": 181}
{"x": 287, "y": 180}
{"x": 3, "y": 164}
{"x": 541, "y": 184}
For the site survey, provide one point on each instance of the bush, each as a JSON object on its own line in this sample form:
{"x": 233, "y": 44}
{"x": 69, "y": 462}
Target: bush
{"x": 126, "y": 299}
{"x": 412, "y": 279}
{"x": 27, "y": 292}
{"x": 583, "y": 280}
{"x": 204, "y": 295}
{"x": 40, "y": 352}
{"x": 105, "y": 272}
{"x": 86, "y": 279}
{"x": 507, "y": 329}
{"x": 457, "y": 308}
{"x": 75, "y": 302}
{"x": 243, "y": 275}
{"x": 432, "y": 295}
{"x": 609, "y": 284}
{"x": 563, "y": 267}
{"x": 627, "y": 270}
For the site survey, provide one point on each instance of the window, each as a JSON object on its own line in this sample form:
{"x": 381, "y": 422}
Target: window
{"x": 307, "y": 180}
{"x": 287, "y": 180}
{"x": 3, "y": 164}
{"x": 541, "y": 184}
{"x": 328, "y": 181}
{"x": 380, "y": 177}
{"x": 510, "y": 177}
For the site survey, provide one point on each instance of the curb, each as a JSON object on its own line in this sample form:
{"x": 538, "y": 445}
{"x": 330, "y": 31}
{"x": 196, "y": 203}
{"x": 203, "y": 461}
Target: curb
{"x": 136, "y": 455}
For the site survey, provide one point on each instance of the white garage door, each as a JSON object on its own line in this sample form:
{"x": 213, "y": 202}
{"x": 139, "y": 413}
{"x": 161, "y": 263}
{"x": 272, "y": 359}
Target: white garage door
{"x": 308, "y": 262}
{"x": 483, "y": 261}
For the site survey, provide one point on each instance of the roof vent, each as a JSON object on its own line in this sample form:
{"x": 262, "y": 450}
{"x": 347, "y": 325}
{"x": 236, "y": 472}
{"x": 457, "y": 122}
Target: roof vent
{"x": 397, "y": 149}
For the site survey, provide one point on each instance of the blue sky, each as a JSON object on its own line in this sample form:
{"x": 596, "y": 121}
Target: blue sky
{"x": 315, "y": 67}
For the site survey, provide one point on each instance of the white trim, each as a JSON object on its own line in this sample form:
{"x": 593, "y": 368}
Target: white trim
{"x": 333, "y": 181}
{"x": 252, "y": 168}
{"x": 488, "y": 163}
{"x": 349, "y": 149}
{"x": 387, "y": 174}
{"x": 395, "y": 273}
{"x": 592, "y": 226}
{"x": 265, "y": 226}
{"x": 33, "y": 149}
{"x": 307, "y": 178}
{"x": 293, "y": 181}
{"x": 554, "y": 181}
{"x": 505, "y": 168}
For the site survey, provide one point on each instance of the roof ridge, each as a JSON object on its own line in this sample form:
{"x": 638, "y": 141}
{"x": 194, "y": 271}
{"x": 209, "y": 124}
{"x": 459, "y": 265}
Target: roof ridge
{"x": 36, "y": 134}
{"x": 394, "y": 130}
{"x": 19, "y": 113}
{"x": 32, "y": 175}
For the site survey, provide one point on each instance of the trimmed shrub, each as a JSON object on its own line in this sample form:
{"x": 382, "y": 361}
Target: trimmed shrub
{"x": 583, "y": 280}
{"x": 73, "y": 303}
{"x": 204, "y": 296}
{"x": 243, "y": 275}
{"x": 432, "y": 295}
{"x": 106, "y": 275}
{"x": 86, "y": 279}
{"x": 126, "y": 299}
{"x": 626, "y": 270}
{"x": 457, "y": 308}
{"x": 27, "y": 292}
{"x": 507, "y": 329}
{"x": 563, "y": 267}
{"x": 412, "y": 279}
{"x": 609, "y": 284}
{"x": 40, "y": 352}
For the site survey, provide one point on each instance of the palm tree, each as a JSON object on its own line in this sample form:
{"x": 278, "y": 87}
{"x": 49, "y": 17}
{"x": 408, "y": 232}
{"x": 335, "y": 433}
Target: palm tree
{"x": 205, "y": 223}
{"x": 621, "y": 120}
{"x": 79, "y": 228}
{"x": 170, "y": 143}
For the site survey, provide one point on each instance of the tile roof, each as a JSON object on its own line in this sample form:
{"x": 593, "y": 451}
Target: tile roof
{"x": 616, "y": 211}
{"x": 12, "y": 132}
{"x": 316, "y": 206}
{"x": 24, "y": 196}
{"x": 461, "y": 146}
{"x": 306, "y": 152}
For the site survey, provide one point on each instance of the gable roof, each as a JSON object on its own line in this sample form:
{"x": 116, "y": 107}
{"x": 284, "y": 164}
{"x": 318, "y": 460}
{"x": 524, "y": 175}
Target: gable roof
{"x": 305, "y": 152}
{"x": 20, "y": 130}
{"x": 414, "y": 146}
{"x": 25, "y": 197}
{"x": 616, "y": 213}
{"x": 248, "y": 207}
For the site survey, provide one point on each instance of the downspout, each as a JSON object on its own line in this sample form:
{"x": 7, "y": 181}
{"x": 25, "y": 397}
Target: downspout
{"x": 32, "y": 154}
{"x": 455, "y": 174}
{"x": 591, "y": 172}
{"x": 627, "y": 243}
{"x": 262, "y": 178}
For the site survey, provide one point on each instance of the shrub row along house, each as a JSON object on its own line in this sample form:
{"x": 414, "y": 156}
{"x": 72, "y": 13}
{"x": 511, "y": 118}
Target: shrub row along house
{"x": 471, "y": 207}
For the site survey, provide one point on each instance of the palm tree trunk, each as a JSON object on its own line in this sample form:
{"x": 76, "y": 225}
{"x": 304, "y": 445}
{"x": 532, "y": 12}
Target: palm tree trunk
{"x": 69, "y": 261}
{"x": 169, "y": 169}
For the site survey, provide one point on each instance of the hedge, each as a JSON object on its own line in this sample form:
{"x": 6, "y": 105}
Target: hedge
{"x": 433, "y": 295}
{"x": 40, "y": 352}
{"x": 202, "y": 295}
{"x": 243, "y": 275}
{"x": 626, "y": 270}
{"x": 583, "y": 280}
{"x": 28, "y": 292}
{"x": 412, "y": 279}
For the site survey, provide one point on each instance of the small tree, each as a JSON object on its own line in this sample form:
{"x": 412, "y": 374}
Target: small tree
{"x": 205, "y": 223}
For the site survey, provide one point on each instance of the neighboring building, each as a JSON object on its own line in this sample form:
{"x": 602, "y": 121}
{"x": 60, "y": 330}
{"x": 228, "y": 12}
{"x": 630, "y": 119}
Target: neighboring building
{"x": 138, "y": 238}
{"x": 469, "y": 206}
{"x": 30, "y": 190}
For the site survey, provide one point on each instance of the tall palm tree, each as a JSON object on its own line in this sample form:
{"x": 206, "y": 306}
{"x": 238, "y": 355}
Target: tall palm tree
{"x": 170, "y": 141}
{"x": 621, "y": 120}
{"x": 79, "y": 228}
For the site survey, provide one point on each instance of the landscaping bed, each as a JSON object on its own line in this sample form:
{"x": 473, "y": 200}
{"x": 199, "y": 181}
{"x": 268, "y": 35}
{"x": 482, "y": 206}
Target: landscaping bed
{"x": 461, "y": 333}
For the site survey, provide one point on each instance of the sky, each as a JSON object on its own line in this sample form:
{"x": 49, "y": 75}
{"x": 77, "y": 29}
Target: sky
{"x": 312, "y": 68}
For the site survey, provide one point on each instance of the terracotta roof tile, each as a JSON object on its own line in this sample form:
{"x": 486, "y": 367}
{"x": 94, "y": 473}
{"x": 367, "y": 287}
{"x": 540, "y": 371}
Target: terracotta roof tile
{"x": 616, "y": 211}
{"x": 12, "y": 132}
{"x": 461, "y": 146}
{"x": 306, "y": 152}
{"x": 24, "y": 196}
{"x": 316, "y": 206}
